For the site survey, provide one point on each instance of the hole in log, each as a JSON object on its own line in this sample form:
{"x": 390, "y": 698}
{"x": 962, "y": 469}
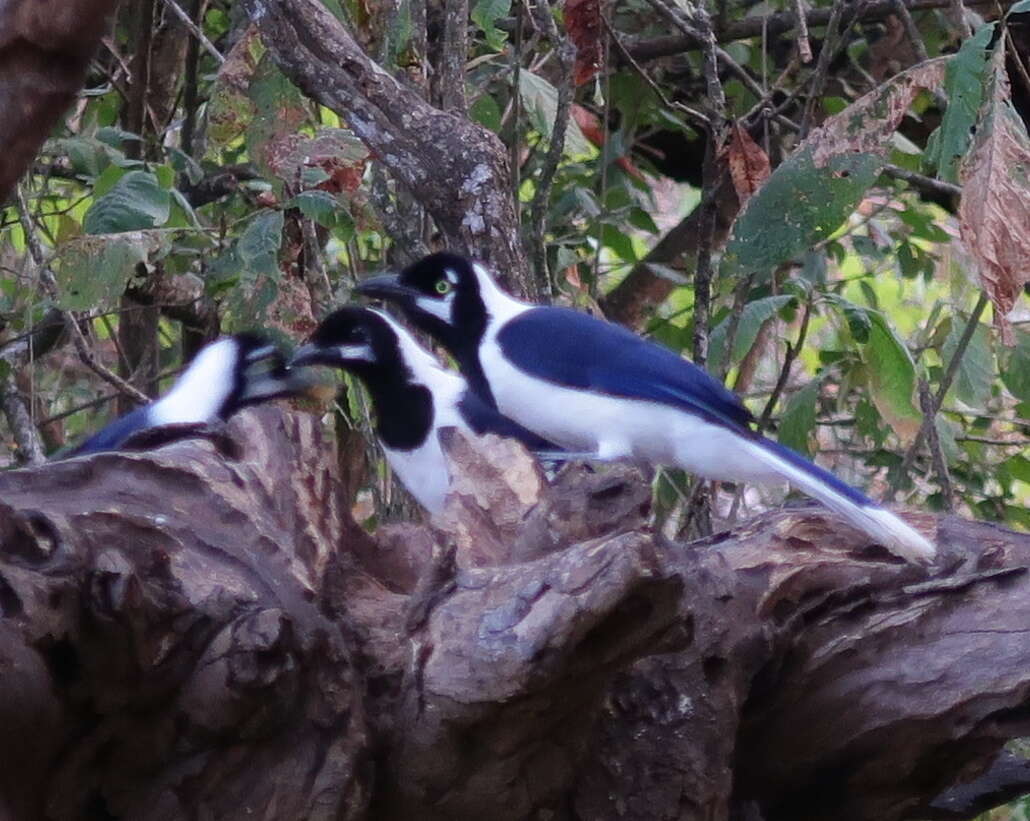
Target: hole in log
{"x": 62, "y": 659}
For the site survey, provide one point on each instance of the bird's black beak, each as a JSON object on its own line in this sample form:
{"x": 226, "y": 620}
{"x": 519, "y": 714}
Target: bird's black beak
{"x": 310, "y": 354}
{"x": 386, "y": 286}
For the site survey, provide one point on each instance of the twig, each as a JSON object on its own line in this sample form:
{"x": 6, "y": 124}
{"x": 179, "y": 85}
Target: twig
{"x": 923, "y": 183}
{"x": 194, "y": 29}
{"x": 911, "y": 31}
{"x": 788, "y": 363}
{"x": 804, "y": 45}
{"x": 946, "y": 380}
{"x": 46, "y": 276}
{"x": 822, "y": 66}
{"x": 940, "y": 466}
{"x": 653, "y": 48}
{"x": 739, "y": 297}
{"x": 698, "y": 118}
{"x": 958, "y": 13}
{"x": 516, "y": 102}
{"x": 566, "y": 53}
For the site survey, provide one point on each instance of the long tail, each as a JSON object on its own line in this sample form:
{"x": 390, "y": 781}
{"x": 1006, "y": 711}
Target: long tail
{"x": 843, "y": 499}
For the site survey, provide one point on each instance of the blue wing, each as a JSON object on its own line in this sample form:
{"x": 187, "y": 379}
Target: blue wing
{"x": 484, "y": 419}
{"x": 112, "y": 436}
{"x": 574, "y": 349}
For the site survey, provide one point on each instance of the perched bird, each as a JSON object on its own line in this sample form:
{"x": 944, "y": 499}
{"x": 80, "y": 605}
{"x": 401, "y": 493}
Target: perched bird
{"x": 592, "y": 386}
{"x": 224, "y": 377}
{"x": 414, "y": 397}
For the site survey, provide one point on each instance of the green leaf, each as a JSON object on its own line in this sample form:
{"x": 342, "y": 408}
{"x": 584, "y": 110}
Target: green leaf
{"x": 857, "y": 317}
{"x": 1019, "y": 8}
{"x": 323, "y": 208}
{"x": 486, "y": 112}
{"x": 258, "y": 247}
{"x": 1016, "y": 372}
{"x": 798, "y": 421}
{"x": 485, "y": 14}
{"x": 748, "y": 326}
{"x": 136, "y": 201}
{"x": 975, "y": 373}
{"x": 964, "y": 86}
{"x": 620, "y": 243}
{"x": 1018, "y": 466}
{"x": 892, "y": 377}
{"x": 92, "y": 271}
{"x": 815, "y": 189}
{"x": 541, "y": 101}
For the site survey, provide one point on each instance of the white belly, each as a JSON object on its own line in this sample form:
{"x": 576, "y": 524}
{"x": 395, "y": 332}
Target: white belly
{"x": 617, "y": 428}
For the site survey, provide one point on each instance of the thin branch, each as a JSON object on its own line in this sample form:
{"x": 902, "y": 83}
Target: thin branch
{"x": 801, "y": 37}
{"x": 698, "y": 118}
{"x": 911, "y": 31}
{"x": 566, "y": 53}
{"x": 822, "y": 66}
{"x": 940, "y": 464}
{"x": 923, "y": 183}
{"x": 653, "y": 48}
{"x": 946, "y": 380}
{"x": 788, "y": 363}
{"x": 194, "y": 29}
{"x": 516, "y": 102}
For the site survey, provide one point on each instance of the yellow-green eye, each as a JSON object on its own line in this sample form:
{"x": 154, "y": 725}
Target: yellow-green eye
{"x": 443, "y": 286}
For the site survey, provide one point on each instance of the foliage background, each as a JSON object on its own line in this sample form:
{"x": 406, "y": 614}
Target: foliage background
{"x": 193, "y": 189}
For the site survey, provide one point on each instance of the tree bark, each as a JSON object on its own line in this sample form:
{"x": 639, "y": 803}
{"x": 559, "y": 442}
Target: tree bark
{"x": 200, "y": 630}
{"x": 45, "y": 49}
{"x": 456, "y": 168}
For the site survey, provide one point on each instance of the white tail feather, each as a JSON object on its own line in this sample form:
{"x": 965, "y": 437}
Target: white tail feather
{"x": 880, "y": 524}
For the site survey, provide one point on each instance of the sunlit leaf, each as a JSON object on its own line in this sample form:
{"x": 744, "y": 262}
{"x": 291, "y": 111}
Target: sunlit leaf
{"x": 136, "y": 201}
{"x": 92, "y": 271}
{"x": 541, "y": 101}
{"x": 892, "y": 377}
{"x": 485, "y": 14}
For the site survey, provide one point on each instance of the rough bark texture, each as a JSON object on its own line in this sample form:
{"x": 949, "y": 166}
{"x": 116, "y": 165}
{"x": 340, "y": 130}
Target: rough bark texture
{"x": 199, "y": 630}
{"x": 419, "y": 144}
{"x": 45, "y": 49}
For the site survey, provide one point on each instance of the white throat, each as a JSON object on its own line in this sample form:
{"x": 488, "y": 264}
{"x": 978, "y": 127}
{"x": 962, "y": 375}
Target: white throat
{"x": 203, "y": 388}
{"x": 425, "y": 368}
{"x": 499, "y": 305}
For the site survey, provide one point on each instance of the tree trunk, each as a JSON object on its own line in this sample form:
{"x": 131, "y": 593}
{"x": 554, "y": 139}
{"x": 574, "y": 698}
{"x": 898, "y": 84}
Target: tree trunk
{"x": 200, "y": 630}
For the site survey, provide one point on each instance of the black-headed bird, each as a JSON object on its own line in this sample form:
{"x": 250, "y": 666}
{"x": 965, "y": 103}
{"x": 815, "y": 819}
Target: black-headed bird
{"x": 592, "y": 386}
{"x": 414, "y": 397}
{"x": 225, "y": 376}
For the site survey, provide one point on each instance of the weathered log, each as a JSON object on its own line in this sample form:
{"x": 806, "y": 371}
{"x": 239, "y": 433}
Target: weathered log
{"x": 202, "y": 631}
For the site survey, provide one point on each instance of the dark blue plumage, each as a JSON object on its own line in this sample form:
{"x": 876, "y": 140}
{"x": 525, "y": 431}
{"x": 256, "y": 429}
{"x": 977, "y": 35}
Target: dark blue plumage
{"x": 572, "y": 349}
{"x": 117, "y": 432}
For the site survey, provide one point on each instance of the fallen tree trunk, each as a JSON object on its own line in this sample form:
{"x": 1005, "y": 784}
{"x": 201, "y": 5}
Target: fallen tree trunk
{"x": 189, "y": 632}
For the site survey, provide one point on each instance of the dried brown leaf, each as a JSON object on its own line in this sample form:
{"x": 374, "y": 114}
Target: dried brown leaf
{"x": 748, "y": 163}
{"x": 583, "y": 23}
{"x": 994, "y": 214}
{"x": 867, "y": 125}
